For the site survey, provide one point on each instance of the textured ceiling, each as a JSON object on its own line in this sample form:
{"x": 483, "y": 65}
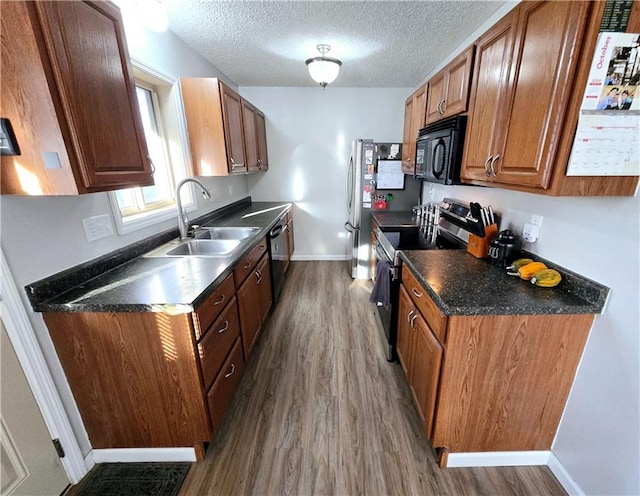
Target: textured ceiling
{"x": 381, "y": 43}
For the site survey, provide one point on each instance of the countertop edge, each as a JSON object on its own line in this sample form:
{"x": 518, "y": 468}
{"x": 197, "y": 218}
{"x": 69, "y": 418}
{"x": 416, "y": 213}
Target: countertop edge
{"x": 593, "y": 306}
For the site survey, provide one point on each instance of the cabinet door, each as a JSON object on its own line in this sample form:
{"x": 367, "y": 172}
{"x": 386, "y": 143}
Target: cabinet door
{"x": 221, "y": 393}
{"x": 543, "y": 67}
{"x": 407, "y": 160}
{"x": 488, "y": 102}
{"x": 426, "y": 371}
{"x": 261, "y": 134}
{"x": 404, "y": 344}
{"x": 249, "y": 305}
{"x": 417, "y": 117}
{"x": 95, "y": 93}
{"x": 250, "y": 137}
{"x": 233, "y": 129}
{"x": 436, "y": 95}
{"x": 456, "y": 97}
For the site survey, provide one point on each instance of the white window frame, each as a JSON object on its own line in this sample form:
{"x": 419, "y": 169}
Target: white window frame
{"x": 171, "y": 116}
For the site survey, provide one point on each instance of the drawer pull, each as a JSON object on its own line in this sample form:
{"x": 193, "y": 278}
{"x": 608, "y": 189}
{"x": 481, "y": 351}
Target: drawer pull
{"x": 233, "y": 369}
{"x": 223, "y": 329}
{"x": 416, "y": 293}
{"x": 247, "y": 265}
{"x": 262, "y": 247}
{"x": 217, "y": 302}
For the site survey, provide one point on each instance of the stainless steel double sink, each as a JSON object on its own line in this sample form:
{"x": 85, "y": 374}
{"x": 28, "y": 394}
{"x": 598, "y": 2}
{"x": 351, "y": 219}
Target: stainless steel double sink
{"x": 207, "y": 242}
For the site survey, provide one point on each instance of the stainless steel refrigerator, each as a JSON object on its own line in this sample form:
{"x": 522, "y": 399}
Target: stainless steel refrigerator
{"x": 374, "y": 182}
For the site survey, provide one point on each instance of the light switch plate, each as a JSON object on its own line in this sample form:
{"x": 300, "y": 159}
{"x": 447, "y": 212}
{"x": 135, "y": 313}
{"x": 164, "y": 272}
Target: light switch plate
{"x": 98, "y": 227}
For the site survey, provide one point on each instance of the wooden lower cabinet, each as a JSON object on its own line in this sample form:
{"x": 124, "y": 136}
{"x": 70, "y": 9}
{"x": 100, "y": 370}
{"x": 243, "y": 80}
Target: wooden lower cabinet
{"x": 221, "y": 393}
{"x": 255, "y": 298}
{"x": 134, "y": 376}
{"x": 420, "y": 355}
{"x": 147, "y": 380}
{"x": 492, "y": 382}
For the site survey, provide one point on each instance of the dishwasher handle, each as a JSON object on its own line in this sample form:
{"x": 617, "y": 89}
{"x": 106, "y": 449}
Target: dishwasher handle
{"x": 276, "y": 231}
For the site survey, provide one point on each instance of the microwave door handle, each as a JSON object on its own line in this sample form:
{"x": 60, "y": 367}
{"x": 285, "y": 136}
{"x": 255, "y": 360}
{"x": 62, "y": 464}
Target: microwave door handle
{"x": 438, "y": 173}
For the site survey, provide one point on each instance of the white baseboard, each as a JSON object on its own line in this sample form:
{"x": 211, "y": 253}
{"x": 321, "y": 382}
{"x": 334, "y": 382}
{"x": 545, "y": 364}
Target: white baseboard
{"x": 567, "y": 482}
{"x": 498, "y": 459}
{"x": 122, "y": 455}
{"x": 517, "y": 458}
{"x": 320, "y": 258}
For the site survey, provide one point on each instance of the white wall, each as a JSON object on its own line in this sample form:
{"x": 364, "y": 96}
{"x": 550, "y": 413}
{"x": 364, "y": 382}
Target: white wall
{"x": 44, "y": 235}
{"x": 309, "y": 134}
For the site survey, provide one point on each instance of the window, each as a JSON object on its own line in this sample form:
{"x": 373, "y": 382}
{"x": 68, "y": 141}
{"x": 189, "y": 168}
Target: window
{"x": 159, "y": 104}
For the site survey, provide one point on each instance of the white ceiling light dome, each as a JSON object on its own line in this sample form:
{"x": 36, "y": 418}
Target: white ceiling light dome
{"x": 323, "y": 70}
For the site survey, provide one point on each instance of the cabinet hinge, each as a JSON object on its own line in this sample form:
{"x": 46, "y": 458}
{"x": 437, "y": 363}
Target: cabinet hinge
{"x": 58, "y": 446}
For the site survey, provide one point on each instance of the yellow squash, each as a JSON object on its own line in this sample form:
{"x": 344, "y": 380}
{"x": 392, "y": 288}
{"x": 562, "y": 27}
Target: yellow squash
{"x": 516, "y": 264}
{"x": 526, "y": 272}
{"x": 547, "y": 278}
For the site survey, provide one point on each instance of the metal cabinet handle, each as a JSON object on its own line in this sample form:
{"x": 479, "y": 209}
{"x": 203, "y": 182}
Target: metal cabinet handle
{"x": 409, "y": 316}
{"x": 247, "y": 265}
{"x": 486, "y": 166}
{"x": 491, "y": 165}
{"x": 413, "y": 319}
{"x": 226, "y": 326}
{"x": 416, "y": 293}
{"x": 441, "y": 107}
{"x": 217, "y": 302}
{"x": 231, "y": 160}
{"x": 233, "y": 369}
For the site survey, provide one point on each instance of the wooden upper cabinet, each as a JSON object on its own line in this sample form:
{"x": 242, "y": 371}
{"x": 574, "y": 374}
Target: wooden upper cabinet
{"x": 233, "y": 129}
{"x": 530, "y": 73}
{"x": 226, "y": 132}
{"x": 255, "y": 137}
{"x": 488, "y": 97}
{"x": 69, "y": 92}
{"x": 250, "y": 135}
{"x": 407, "y": 166}
{"x": 261, "y": 132}
{"x": 448, "y": 92}
{"x": 414, "y": 114}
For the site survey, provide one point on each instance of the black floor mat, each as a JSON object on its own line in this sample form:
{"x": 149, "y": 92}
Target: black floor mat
{"x": 134, "y": 479}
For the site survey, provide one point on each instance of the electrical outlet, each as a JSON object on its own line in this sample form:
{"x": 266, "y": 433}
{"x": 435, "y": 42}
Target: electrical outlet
{"x": 536, "y": 220}
{"x": 98, "y": 227}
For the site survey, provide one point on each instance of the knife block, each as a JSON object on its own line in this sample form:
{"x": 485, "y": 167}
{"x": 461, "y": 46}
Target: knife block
{"x": 479, "y": 246}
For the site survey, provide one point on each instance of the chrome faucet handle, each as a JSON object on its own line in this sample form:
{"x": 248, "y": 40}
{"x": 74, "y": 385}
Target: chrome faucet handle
{"x": 192, "y": 230}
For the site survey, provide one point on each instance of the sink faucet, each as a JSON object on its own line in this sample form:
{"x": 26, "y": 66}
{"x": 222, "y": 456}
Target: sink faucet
{"x": 183, "y": 220}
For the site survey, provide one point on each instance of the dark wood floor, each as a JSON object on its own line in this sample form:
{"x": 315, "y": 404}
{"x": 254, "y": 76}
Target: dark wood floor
{"x": 320, "y": 411}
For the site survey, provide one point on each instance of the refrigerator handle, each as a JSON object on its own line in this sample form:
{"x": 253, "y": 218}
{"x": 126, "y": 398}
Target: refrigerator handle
{"x": 348, "y": 187}
{"x": 349, "y": 227}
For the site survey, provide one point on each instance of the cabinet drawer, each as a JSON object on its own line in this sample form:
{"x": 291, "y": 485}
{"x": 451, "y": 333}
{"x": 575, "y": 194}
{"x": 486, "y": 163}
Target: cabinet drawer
{"x": 217, "y": 342}
{"x": 206, "y": 313}
{"x": 436, "y": 320}
{"x": 245, "y": 266}
{"x": 221, "y": 393}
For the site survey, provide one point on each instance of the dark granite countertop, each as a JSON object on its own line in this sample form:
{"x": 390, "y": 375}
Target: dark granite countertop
{"x": 461, "y": 284}
{"x": 128, "y": 281}
{"x": 395, "y": 219}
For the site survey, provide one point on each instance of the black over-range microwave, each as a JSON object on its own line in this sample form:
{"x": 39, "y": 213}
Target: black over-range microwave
{"x": 439, "y": 150}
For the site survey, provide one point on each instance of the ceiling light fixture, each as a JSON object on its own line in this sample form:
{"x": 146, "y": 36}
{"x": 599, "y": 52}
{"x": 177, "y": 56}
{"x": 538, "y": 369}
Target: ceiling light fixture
{"x": 323, "y": 70}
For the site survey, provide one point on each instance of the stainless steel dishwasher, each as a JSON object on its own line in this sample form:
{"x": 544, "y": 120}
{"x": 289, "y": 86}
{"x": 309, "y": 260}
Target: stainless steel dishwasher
{"x": 279, "y": 256}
